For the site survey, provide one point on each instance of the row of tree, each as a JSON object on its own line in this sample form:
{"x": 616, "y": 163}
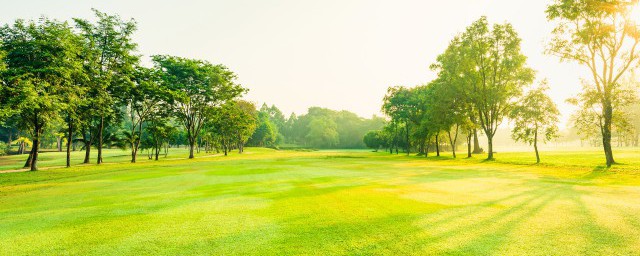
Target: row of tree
{"x": 318, "y": 128}
{"x": 88, "y": 76}
{"x": 482, "y": 74}
{"x": 481, "y": 77}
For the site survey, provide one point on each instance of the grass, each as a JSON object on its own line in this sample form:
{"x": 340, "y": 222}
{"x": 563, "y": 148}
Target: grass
{"x": 268, "y": 202}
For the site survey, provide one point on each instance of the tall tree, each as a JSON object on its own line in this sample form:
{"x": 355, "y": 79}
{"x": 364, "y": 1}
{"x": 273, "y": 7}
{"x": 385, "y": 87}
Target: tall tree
{"x": 398, "y": 105}
{"x": 42, "y": 58}
{"x": 197, "y": 88}
{"x": 109, "y": 62}
{"x": 535, "y": 116}
{"x": 144, "y": 99}
{"x": 603, "y": 36}
{"x": 498, "y": 74}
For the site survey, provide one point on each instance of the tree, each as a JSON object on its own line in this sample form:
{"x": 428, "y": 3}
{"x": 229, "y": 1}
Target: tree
{"x": 197, "y": 88}
{"x": 536, "y": 115}
{"x": 398, "y": 105}
{"x": 589, "y": 119}
{"x": 497, "y": 72}
{"x": 374, "y": 139}
{"x": 234, "y": 123}
{"x": 42, "y": 58}
{"x": 144, "y": 99}
{"x": 109, "y": 64}
{"x": 265, "y": 134}
{"x": 160, "y": 130}
{"x": 602, "y": 36}
{"x": 245, "y": 122}
{"x": 323, "y": 133}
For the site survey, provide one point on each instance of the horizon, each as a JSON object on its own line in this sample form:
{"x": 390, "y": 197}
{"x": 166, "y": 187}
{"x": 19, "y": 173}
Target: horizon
{"x": 335, "y": 55}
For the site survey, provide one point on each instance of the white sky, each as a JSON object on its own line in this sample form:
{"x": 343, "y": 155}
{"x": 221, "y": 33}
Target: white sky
{"x": 340, "y": 54}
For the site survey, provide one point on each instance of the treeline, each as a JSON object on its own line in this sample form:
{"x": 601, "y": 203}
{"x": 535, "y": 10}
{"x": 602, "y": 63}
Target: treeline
{"x": 83, "y": 83}
{"x": 318, "y": 128}
{"x": 483, "y": 78}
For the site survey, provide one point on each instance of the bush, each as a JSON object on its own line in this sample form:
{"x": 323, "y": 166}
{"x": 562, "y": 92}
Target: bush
{"x": 4, "y": 148}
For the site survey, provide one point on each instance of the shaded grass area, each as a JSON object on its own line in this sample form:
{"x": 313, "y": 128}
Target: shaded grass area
{"x": 267, "y": 202}
{"x": 58, "y": 159}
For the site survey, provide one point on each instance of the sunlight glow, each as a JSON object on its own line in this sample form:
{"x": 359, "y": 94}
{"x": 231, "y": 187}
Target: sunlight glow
{"x": 634, "y": 13}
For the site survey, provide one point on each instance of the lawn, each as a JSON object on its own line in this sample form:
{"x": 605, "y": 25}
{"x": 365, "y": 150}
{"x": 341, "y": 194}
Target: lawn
{"x": 268, "y": 202}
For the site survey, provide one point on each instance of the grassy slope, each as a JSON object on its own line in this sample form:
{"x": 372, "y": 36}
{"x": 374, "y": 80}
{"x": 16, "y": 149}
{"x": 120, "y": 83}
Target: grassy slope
{"x": 328, "y": 202}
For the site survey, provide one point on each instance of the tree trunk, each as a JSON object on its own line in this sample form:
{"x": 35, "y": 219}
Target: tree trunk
{"x": 453, "y": 141}
{"x": 87, "y": 146}
{"x": 469, "y": 136}
{"x": 191, "y": 148}
{"x": 28, "y": 162}
{"x": 476, "y": 142}
{"x": 36, "y": 144}
{"x": 606, "y": 132}
{"x": 69, "y": 141}
{"x": 157, "y": 150}
{"x": 407, "y": 135}
{"x": 100, "y": 131}
{"x": 490, "y": 144}
{"x": 535, "y": 145}
{"x": 437, "y": 145}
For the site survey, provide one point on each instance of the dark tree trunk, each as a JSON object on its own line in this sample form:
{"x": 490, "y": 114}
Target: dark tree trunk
{"x": 535, "y": 145}
{"x": 407, "y": 135}
{"x": 69, "y": 141}
{"x": 100, "y": 131}
{"x": 28, "y": 162}
{"x": 469, "y": 136}
{"x": 453, "y": 141}
{"x": 157, "y": 150}
{"x": 490, "y": 143}
{"x": 36, "y": 144}
{"x": 87, "y": 146}
{"x": 437, "y": 144}
{"x": 476, "y": 142}
{"x": 191, "y": 148}
{"x": 606, "y": 131}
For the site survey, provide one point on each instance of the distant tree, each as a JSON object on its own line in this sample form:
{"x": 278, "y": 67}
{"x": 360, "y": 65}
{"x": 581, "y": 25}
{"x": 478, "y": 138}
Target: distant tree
{"x": 246, "y": 119}
{"x": 535, "y": 116}
{"x": 197, "y": 89}
{"x": 41, "y": 60}
{"x": 374, "y": 140}
{"x": 497, "y": 74}
{"x": 266, "y": 132}
{"x": 234, "y": 124}
{"x": 323, "y": 133}
{"x": 603, "y": 36}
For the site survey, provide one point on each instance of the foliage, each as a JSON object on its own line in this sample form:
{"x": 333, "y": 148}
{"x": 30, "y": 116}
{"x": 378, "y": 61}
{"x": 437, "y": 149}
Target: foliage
{"x": 42, "y": 60}
{"x": 603, "y": 36}
{"x": 108, "y": 61}
{"x": 374, "y": 140}
{"x": 536, "y": 115}
{"x": 197, "y": 88}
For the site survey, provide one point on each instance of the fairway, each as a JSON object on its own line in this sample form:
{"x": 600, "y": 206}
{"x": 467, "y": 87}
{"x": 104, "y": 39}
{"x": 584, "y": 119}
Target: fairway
{"x": 268, "y": 202}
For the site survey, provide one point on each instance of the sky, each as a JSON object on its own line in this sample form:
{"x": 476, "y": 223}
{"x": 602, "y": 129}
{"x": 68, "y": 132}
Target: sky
{"x": 339, "y": 54}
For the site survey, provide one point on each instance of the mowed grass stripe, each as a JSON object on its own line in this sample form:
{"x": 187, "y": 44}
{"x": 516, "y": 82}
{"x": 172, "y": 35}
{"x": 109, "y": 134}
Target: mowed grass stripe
{"x": 270, "y": 202}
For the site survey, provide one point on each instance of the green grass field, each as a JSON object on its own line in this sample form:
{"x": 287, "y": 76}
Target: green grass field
{"x": 267, "y": 202}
